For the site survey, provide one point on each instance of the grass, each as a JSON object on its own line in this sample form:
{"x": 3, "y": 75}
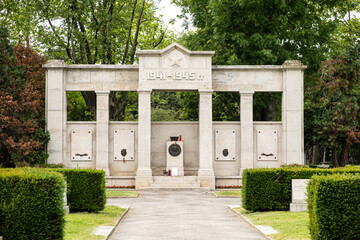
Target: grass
{"x": 80, "y": 226}
{"x": 229, "y": 193}
{"x": 115, "y": 193}
{"x": 290, "y": 225}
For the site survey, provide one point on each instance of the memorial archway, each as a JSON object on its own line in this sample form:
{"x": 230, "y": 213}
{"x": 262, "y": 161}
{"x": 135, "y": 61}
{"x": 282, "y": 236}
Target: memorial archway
{"x": 248, "y": 143}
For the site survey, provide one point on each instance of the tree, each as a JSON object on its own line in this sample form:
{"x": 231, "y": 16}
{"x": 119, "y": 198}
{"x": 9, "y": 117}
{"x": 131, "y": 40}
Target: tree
{"x": 88, "y": 32}
{"x": 20, "y": 103}
{"x": 336, "y": 104}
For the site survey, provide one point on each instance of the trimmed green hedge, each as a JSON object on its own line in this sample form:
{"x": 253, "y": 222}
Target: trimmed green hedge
{"x": 334, "y": 206}
{"x": 85, "y": 189}
{"x": 269, "y": 189}
{"x": 31, "y": 204}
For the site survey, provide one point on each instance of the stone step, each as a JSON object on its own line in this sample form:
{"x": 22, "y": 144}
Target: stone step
{"x": 177, "y": 179}
{"x": 157, "y": 189}
{"x": 175, "y": 185}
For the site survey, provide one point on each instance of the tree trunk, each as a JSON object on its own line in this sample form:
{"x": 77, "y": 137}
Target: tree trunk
{"x": 344, "y": 153}
{"x": 90, "y": 100}
{"x": 334, "y": 157}
{"x": 315, "y": 155}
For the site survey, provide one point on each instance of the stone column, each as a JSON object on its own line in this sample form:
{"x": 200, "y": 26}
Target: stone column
{"x": 293, "y": 112}
{"x": 144, "y": 173}
{"x": 247, "y": 131}
{"x": 55, "y": 109}
{"x": 206, "y": 172}
{"x": 102, "y": 131}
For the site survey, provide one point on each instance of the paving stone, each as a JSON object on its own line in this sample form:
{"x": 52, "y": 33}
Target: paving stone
{"x": 181, "y": 215}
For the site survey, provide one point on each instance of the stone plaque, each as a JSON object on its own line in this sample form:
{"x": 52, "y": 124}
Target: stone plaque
{"x": 225, "y": 145}
{"x": 267, "y": 145}
{"x": 299, "y": 190}
{"x": 81, "y": 145}
{"x": 124, "y": 145}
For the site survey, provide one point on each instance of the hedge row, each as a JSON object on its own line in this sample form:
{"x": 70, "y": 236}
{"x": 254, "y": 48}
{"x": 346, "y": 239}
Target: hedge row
{"x": 269, "y": 189}
{"x": 334, "y": 206}
{"x": 85, "y": 189}
{"x": 31, "y": 204}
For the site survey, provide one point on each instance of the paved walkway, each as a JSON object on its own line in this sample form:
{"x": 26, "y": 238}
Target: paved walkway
{"x": 180, "y": 215}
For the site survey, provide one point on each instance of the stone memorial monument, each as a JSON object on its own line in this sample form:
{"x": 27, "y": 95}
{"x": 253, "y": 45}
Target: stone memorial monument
{"x": 298, "y": 203}
{"x": 214, "y": 153}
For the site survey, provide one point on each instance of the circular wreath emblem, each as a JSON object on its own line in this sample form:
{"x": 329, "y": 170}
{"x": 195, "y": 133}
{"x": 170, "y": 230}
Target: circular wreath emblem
{"x": 174, "y": 150}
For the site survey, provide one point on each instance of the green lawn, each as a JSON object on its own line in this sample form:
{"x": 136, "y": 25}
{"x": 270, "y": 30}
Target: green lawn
{"x": 229, "y": 193}
{"x": 80, "y": 226}
{"x": 290, "y": 225}
{"x": 116, "y": 193}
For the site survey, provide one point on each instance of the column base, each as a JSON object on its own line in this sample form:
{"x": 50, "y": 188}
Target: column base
{"x": 207, "y": 178}
{"x": 142, "y": 182}
{"x": 143, "y": 178}
{"x": 207, "y": 181}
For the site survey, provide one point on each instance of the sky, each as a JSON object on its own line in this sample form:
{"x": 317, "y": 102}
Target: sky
{"x": 169, "y": 11}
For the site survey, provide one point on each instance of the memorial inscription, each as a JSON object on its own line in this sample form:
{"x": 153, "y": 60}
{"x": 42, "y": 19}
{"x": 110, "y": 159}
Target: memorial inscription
{"x": 299, "y": 197}
{"x": 174, "y": 75}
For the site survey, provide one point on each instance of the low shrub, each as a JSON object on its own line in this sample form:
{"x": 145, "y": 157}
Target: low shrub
{"x": 31, "y": 204}
{"x": 269, "y": 189}
{"x": 85, "y": 189}
{"x": 334, "y": 203}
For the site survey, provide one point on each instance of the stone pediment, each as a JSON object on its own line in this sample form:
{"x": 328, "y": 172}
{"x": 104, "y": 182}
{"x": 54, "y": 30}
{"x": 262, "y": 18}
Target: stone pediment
{"x": 174, "y": 67}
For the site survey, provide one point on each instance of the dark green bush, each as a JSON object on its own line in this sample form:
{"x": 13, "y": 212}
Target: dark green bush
{"x": 269, "y": 189}
{"x": 334, "y": 206}
{"x": 31, "y": 204}
{"x": 85, "y": 189}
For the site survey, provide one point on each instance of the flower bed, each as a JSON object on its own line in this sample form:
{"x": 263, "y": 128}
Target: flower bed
{"x": 115, "y": 186}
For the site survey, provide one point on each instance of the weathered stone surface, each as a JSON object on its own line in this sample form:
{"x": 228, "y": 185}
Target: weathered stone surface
{"x": 298, "y": 187}
{"x": 176, "y": 68}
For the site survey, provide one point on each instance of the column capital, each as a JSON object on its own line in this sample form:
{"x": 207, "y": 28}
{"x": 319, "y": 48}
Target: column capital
{"x": 293, "y": 64}
{"x": 102, "y": 92}
{"x": 144, "y": 90}
{"x": 246, "y": 92}
{"x": 205, "y": 91}
{"x": 55, "y": 63}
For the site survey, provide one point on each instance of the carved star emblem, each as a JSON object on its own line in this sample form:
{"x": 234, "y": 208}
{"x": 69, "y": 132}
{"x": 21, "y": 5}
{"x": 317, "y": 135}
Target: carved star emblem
{"x": 175, "y": 62}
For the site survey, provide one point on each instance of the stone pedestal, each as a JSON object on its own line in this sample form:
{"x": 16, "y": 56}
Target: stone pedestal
{"x": 247, "y": 132}
{"x": 175, "y": 161}
{"x": 102, "y": 131}
{"x": 298, "y": 203}
{"x": 66, "y": 206}
{"x": 144, "y": 174}
{"x": 293, "y": 112}
{"x": 206, "y": 172}
{"x": 55, "y": 109}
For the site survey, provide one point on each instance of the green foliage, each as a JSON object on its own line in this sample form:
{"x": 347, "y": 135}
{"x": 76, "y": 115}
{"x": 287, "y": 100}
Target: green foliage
{"x": 77, "y": 109}
{"x": 226, "y": 106}
{"x": 334, "y": 203}
{"x": 335, "y": 103}
{"x": 22, "y": 135}
{"x": 85, "y": 189}
{"x": 270, "y": 189}
{"x": 123, "y": 106}
{"x": 31, "y": 204}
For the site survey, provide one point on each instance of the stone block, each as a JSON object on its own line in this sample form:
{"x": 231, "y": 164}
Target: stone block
{"x": 298, "y": 190}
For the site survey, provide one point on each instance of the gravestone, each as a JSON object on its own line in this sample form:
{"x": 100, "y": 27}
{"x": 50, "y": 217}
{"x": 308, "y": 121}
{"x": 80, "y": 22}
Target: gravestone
{"x": 66, "y": 207}
{"x": 298, "y": 203}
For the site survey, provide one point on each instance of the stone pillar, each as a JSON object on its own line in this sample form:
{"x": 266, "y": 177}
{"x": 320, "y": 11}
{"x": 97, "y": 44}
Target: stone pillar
{"x": 247, "y": 130}
{"x": 206, "y": 172}
{"x": 102, "y": 131}
{"x": 293, "y": 112}
{"x": 55, "y": 109}
{"x": 144, "y": 174}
